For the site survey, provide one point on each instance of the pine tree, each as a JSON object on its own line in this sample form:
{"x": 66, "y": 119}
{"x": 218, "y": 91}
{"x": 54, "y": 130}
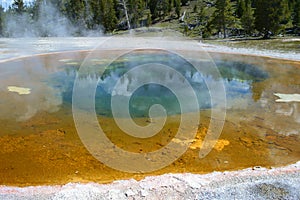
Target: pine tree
{"x": 1, "y": 20}
{"x": 201, "y": 17}
{"x": 286, "y": 17}
{"x": 136, "y": 8}
{"x": 35, "y": 9}
{"x": 75, "y": 11}
{"x": 268, "y": 15}
{"x": 224, "y": 15}
{"x": 184, "y": 2}
{"x": 177, "y": 7}
{"x": 95, "y": 14}
{"x": 247, "y": 17}
{"x": 171, "y": 5}
{"x": 153, "y": 8}
{"x": 240, "y": 8}
{"x": 108, "y": 15}
{"x": 18, "y": 6}
{"x": 149, "y": 20}
{"x": 165, "y": 7}
{"x": 296, "y": 16}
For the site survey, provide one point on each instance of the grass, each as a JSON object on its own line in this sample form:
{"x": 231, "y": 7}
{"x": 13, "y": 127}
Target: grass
{"x": 283, "y": 44}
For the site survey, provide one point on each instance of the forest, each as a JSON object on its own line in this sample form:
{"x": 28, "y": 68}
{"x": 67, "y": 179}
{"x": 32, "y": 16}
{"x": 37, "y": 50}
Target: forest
{"x": 200, "y": 18}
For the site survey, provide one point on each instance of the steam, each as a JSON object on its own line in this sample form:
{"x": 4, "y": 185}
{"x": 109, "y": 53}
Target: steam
{"x": 49, "y": 23}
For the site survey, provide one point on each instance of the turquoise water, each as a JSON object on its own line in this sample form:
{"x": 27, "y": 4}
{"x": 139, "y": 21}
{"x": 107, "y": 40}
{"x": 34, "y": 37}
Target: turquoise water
{"x": 236, "y": 76}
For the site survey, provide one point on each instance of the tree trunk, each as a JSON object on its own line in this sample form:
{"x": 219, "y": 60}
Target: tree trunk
{"x": 126, "y": 14}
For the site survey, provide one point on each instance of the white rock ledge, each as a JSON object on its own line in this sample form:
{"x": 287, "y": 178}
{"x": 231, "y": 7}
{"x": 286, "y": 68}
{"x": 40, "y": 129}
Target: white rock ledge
{"x": 276, "y": 183}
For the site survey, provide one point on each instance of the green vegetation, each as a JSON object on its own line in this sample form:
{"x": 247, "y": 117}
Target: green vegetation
{"x": 199, "y": 18}
{"x": 284, "y": 45}
{"x": 268, "y": 16}
{"x": 247, "y": 16}
{"x": 1, "y": 20}
{"x": 224, "y": 16}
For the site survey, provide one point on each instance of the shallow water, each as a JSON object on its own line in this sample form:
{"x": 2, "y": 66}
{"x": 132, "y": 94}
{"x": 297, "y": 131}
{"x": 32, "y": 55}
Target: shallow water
{"x": 40, "y": 145}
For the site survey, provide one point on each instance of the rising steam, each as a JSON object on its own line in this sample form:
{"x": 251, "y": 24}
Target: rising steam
{"x": 50, "y": 23}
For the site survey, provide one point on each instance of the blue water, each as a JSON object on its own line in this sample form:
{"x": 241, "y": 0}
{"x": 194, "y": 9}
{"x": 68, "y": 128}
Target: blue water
{"x": 236, "y": 76}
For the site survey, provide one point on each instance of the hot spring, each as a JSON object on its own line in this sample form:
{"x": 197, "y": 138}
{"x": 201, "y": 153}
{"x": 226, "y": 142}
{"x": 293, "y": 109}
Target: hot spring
{"x": 40, "y": 144}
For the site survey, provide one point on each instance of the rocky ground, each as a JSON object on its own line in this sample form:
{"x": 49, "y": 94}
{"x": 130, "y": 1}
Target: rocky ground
{"x": 15, "y": 47}
{"x": 255, "y": 183}
{"x": 290, "y": 55}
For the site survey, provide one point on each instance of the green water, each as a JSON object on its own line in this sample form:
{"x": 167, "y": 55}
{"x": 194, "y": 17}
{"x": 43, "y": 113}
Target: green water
{"x": 237, "y": 78}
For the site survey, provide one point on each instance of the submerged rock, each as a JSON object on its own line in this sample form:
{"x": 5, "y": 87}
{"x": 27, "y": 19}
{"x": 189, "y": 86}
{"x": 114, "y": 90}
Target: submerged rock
{"x": 287, "y": 97}
{"x": 19, "y": 90}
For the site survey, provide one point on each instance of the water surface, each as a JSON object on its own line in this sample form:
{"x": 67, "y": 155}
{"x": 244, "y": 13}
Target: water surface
{"x": 40, "y": 145}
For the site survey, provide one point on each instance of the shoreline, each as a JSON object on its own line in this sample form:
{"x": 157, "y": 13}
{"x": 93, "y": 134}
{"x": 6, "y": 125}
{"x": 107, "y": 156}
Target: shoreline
{"x": 202, "y": 46}
{"x": 286, "y": 56}
{"x": 281, "y": 182}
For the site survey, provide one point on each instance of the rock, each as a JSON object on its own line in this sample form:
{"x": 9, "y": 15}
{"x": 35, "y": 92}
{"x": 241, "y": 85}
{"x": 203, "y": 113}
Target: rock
{"x": 130, "y": 192}
{"x": 193, "y": 184}
{"x": 116, "y": 194}
{"x": 286, "y": 98}
{"x": 144, "y": 193}
{"x": 149, "y": 120}
{"x": 19, "y": 90}
{"x": 273, "y": 191}
{"x": 257, "y": 168}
